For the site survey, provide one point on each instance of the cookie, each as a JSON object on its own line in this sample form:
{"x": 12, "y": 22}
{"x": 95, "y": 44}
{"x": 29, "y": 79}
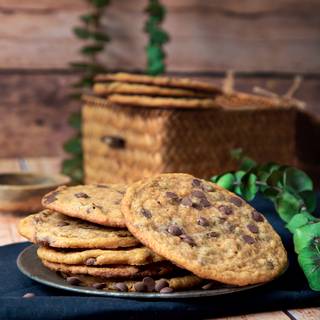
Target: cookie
{"x": 95, "y": 203}
{"x": 142, "y": 89}
{"x": 204, "y": 229}
{"x": 99, "y": 257}
{"x": 53, "y": 229}
{"x": 118, "y": 271}
{"x": 161, "y": 102}
{"x": 175, "y": 283}
{"x": 161, "y": 81}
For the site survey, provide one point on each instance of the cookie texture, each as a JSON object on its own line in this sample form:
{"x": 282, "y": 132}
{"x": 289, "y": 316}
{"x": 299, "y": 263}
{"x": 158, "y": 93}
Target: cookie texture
{"x": 142, "y": 89}
{"x": 99, "y": 257}
{"x": 204, "y": 229}
{"x": 161, "y": 102}
{"x": 161, "y": 81}
{"x": 95, "y": 203}
{"x": 176, "y": 283}
{"x": 116, "y": 271}
{"x": 53, "y": 229}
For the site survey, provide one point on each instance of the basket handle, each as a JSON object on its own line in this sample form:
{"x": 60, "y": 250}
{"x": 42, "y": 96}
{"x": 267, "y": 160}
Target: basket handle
{"x": 114, "y": 142}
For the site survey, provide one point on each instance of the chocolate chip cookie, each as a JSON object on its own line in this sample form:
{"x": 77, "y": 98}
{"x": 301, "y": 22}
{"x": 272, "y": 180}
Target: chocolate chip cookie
{"x": 147, "y": 284}
{"x": 204, "y": 229}
{"x": 116, "y": 271}
{"x": 53, "y": 229}
{"x": 95, "y": 203}
{"x": 142, "y": 89}
{"x": 99, "y": 257}
{"x": 162, "y": 81}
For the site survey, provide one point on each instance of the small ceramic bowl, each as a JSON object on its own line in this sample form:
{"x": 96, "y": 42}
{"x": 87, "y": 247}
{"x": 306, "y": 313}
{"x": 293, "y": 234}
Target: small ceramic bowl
{"x": 22, "y": 191}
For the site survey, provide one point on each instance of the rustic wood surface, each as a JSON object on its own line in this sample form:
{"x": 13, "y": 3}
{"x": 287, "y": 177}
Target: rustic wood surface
{"x": 49, "y": 165}
{"x": 211, "y": 35}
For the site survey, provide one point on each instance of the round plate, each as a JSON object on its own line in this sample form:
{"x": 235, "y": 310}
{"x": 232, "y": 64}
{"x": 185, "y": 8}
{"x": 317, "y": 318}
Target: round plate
{"x": 30, "y": 265}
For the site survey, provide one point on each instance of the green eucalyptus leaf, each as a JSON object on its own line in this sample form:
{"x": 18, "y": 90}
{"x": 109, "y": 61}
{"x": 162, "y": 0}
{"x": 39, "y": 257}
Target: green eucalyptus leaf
{"x": 82, "y": 33}
{"x": 306, "y": 236}
{"x": 270, "y": 192}
{"x": 298, "y": 180}
{"x": 100, "y": 36}
{"x": 73, "y": 168}
{"x": 247, "y": 164}
{"x": 92, "y": 49}
{"x": 159, "y": 37}
{"x": 264, "y": 171}
{"x": 276, "y": 178}
{"x": 238, "y": 175}
{"x": 155, "y": 9}
{"x": 248, "y": 187}
{"x": 214, "y": 179}
{"x": 309, "y": 199}
{"x": 73, "y": 145}
{"x": 155, "y": 68}
{"x": 226, "y": 181}
{"x": 309, "y": 261}
{"x": 100, "y": 3}
{"x": 287, "y": 205}
{"x": 299, "y": 220}
{"x": 90, "y": 18}
{"x": 75, "y": 120}
{"x": 85, "y": 82}
{"x": 154, "y": 53}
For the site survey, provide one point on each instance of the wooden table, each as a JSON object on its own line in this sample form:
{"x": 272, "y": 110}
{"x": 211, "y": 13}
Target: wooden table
{"x": 9, "y": 234}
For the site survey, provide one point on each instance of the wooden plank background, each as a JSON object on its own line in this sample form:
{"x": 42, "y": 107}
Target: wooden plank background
{"x": 266, "y": 42}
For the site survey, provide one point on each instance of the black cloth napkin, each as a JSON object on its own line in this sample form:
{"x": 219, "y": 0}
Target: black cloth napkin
{"x": 289, "y": 291}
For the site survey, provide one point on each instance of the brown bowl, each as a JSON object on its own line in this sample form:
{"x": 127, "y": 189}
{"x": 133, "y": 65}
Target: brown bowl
{"x": 22, "y": 192}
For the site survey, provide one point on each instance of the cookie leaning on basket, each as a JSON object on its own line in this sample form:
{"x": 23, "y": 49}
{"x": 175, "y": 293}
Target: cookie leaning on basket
{"x": 204, "y": 229}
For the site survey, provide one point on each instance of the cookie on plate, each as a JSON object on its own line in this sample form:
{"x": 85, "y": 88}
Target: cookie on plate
{"x": 147, "y": 284}
{"x": 99, "y": 257}
{"x": 204, "y": 229}
{"x": 54, "y": 229}
{"x": 162, "y": 81}
{"x": 95, "y": 203}
{"x": 118, "y": 271}
{"x": 142, "y": 89}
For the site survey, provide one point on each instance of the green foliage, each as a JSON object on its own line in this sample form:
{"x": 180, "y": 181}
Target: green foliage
{"x": 157, "y": 37}
{"x": 291, "y": 191}
{"x": 95, "y": 39}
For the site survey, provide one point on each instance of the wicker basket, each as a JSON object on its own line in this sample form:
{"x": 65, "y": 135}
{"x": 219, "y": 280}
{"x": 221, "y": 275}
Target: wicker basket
{"x": 127, "y": 143}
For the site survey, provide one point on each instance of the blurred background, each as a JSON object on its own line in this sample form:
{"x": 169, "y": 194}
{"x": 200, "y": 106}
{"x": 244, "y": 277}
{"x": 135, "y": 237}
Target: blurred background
{"x": 265, "y": 42}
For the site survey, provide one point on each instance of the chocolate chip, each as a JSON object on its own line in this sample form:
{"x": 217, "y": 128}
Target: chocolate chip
{"x": 51, "y": 197}
{"x": 90, "y": 262}
{"x": 102, "y": 186}
{"x": 256, "y": 216}
{"x": 175, "y": 230}
{"x": 187, "y": 239}
{"x": 173, "y": 197}
{"x": 236, "y": 201}
{"x": 114, "y": 142}
{"x": 205, "y": 203}
{"x": 202, "y": 221}
{"x": 149, "y": 283}
{"x": 197, "y": 206}
{"x": 81, "y": 195}
{"x": 121, "y": 286}
{"x": 253, "y": 228}
{"x": 225, "y": 209}
{"x": 248, "y": 239}
{"x": 166, "y": 290}
{"x": 99, "y": 285}
{"x": 270, "y": 265}
{"x": 146, "y": 213}
{"x": 196, "y": 183}
{"x": 96, "y": 206}
{"x": 140, "y": 287}
{"x": 160, "y": 284}
{"x": 186, "y": 202}
{"x": 28, "y": 295}
{"x": 231, "y": 227}
{"x": 74, "y": 281}
{"x": 208, "y": 286}
{"x": 198, "y": 194}
{"x": 44, "y": 242}
{"x": 213, "y": 234}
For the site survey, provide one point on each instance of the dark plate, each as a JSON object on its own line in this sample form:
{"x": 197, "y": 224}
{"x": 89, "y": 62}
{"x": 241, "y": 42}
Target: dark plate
{"x": 30, "y": 265}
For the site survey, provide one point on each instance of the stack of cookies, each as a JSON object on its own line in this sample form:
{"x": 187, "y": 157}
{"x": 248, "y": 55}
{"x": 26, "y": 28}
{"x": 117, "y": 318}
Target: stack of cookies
{"x": 182, "y": 233}
{"x": 142, "y": 90}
